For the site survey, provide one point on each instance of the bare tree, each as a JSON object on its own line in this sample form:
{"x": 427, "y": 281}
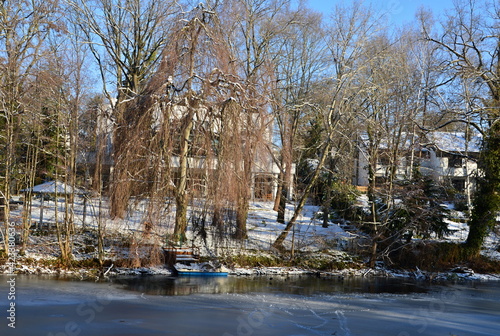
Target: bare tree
{"x": 191, "y": 37}
{"x": 254, "y": 27}
{"x": 299, "y": 62}
{"x": 23, "y": 29}
{"x": 389, "y": 118}
{"x": 349, "y": 34}
{"x": 469, "y": 36}
{"x": 130, "y": 34}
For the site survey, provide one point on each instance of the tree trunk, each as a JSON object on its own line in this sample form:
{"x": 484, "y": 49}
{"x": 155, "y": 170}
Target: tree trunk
{"x": 181, "y": 194}
{"x": 372, "y": 201}
{"x": 31, "y": 166}
{"x": 279, "y": 189}
{"x": 327, "y": 199}
{"x": 282, "y": 202}
{"x": 373, "y": 252}
{"x": 241, "y": 219}
{"x": 278, "y": 243}
{"x": 9, "y": 160}
{"x": 285, "y": 188}
{"x": 243, "y": 197}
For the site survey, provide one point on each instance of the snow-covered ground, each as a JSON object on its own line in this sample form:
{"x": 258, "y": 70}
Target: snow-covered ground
{"x": 459, "y": 231}
{"x": 263, "y": 229}
{"x": 308, "y": 235}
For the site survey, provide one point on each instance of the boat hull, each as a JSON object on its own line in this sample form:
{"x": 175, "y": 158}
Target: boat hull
{"x": 201, "y": 273}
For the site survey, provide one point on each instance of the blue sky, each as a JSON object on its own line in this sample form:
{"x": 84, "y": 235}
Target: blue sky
{"x": 401, "y": 11}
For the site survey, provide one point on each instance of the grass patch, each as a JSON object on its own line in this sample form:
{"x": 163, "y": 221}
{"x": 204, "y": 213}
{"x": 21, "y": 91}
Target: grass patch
{"x": 251, "y": 260}
{"x": 441, "y": 256}
{"x": 3, "y": 257}
{"x": 326, "y": 262}
{"x": 310, "y": 261}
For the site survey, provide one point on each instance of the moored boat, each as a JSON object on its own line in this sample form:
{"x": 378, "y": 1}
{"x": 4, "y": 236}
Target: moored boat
{"x": 199, "y": 269}
{"x": 201, "y": 273}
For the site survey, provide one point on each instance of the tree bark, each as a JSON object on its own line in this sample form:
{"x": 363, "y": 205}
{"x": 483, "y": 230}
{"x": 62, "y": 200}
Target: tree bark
{"x": 278, "y": 243}
{"x": 181, "y": 194}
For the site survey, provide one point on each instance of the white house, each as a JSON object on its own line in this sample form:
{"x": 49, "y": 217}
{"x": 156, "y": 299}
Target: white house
{"x": 452, "y": 156}
{"x": 445, "y": 156}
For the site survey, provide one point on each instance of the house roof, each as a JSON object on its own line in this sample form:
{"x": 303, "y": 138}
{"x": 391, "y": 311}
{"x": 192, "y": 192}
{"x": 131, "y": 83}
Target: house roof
{"x": 405, "y": 140}
{"x": 455, "y": 142}
{"x": 53, "y": 187}
{"x": 452, "y": 142}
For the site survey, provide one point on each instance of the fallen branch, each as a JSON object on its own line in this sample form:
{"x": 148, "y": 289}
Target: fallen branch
{"x": 109, "y": 269}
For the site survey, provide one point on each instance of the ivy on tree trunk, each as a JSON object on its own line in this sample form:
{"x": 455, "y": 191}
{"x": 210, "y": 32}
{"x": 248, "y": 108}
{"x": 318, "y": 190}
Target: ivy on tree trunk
{"x": 487, "y": 199}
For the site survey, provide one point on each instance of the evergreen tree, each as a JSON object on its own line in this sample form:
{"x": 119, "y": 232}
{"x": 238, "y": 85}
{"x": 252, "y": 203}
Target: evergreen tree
{"x": 487, "y": 199}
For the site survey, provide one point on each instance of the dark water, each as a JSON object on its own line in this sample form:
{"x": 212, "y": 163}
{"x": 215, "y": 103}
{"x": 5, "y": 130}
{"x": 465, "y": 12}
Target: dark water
{"x": 248, "y": 306}
{"x": 298, "y": 285}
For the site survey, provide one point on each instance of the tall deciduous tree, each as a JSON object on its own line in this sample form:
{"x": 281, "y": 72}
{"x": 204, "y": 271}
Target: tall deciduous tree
{"x": 194, "y": 39}
{"x": 300, "y": 58}
{"x": 349, "y": 34}
{"x": 253, "y": 27}
{"x": 24, "y": 26}
{"x": 470, "y": 37}
{"x": 392, "y": 107}
{"x": 126, "y": 38}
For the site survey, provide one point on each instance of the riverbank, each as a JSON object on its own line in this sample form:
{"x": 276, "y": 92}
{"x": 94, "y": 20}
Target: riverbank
{"x": 110, "y": 271}
{"x": 312, "y": 250}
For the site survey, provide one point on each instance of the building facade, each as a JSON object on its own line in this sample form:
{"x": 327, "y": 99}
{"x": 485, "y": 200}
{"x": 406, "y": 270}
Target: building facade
{"x": 446, "y": 157}
{"x": 265, "y": 171}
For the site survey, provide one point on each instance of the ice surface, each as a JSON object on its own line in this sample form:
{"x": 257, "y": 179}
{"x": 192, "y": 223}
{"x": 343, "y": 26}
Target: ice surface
{"x": 50, "y": 307}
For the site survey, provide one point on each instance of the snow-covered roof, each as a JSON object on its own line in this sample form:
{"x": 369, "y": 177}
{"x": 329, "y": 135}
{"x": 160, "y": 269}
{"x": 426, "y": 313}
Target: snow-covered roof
{"x": 455, "y": 142}
{"x": 53, "y": 187}
{"x": 406, "y": 140}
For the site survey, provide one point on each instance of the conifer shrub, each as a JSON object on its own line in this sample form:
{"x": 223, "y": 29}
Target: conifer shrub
{"x": 487, "y": 197}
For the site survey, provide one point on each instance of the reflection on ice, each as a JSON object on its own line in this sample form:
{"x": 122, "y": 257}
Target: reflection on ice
{"x": 300, "y": 285}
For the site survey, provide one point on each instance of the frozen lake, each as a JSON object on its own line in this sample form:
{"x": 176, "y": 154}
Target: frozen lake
{"x": 260, "y": 306}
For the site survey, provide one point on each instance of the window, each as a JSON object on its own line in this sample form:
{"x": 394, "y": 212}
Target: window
{"x": 458, "y": 184}
{"x": 455, "y": 161}
{"x": 263, "y": 187}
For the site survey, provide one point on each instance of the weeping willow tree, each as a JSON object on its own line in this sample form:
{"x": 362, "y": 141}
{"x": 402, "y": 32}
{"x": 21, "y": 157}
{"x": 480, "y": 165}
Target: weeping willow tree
{"x": 216, "y": 134}
{"x": 126, "y": 39}
{"x": 189, "y": 104}
{"x": 170, "y": 134}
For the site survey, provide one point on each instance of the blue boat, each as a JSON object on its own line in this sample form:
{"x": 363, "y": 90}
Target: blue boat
{"x": 198, "y": 269}
{"x": 201, "y": 273}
